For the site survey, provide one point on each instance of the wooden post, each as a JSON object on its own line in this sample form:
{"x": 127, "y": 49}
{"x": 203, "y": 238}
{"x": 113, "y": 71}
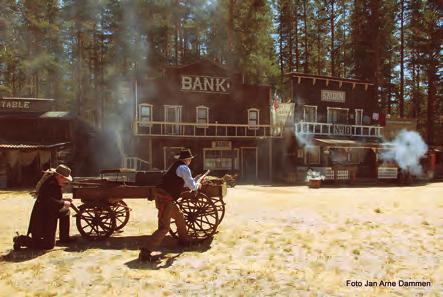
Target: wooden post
{"x": 270, "y": 159}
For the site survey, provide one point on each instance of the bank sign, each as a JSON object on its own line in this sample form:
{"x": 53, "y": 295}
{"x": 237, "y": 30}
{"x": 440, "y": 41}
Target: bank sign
{"x": 205, "y": 84}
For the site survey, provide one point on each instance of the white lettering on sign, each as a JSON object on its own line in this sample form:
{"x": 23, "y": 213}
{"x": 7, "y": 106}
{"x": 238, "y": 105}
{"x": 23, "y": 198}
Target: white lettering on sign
{"x": 13, "y": 104}
{"x": 333, "y": 96}
{"x": 207, "y": 84}
{"x": 341, "y": 129}
{"x": 186, "y": 83}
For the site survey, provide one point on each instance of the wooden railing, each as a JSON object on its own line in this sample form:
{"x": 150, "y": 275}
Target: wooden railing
{"x": 303, "y": 128}
{"x": 136, "y": 163}
{"x": 206, "y": 130}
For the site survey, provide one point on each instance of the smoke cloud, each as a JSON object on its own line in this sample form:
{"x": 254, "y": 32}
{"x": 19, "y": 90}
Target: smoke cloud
{"x": 305, "y": 141}
{"x": 407, "y": 149}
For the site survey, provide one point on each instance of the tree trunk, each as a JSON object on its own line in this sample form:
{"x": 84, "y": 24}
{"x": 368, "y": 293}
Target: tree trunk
{"x": 402, "y": 41}
{"x": 297, "y": 49}
{"x": 430, "y": 104}
{"x": 332, "y": 24}
{"x": 280, "y": 44}
{"x": 305, "y": 23}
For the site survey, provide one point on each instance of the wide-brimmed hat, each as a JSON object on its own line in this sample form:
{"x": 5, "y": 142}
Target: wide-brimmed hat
{"x": 184, "y": 154}
{"x": 63, "y": 170}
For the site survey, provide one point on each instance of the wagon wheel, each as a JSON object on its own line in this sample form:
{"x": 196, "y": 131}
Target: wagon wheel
{"x": 200, "y": 214}
{"x": 95, "y": 222}
{"x": 220, "y": 205}
{"x": 121, "y": 212}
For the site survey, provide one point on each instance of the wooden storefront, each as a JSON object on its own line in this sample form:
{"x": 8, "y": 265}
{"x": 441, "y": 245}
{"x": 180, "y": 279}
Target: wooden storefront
{"x": 337, "y": 129}
{"x": 32, "y": 138}
{"x": 204, "y": 107}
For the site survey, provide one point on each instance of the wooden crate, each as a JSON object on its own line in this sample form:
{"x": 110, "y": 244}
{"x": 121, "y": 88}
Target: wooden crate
{"x": 212, "y": 190}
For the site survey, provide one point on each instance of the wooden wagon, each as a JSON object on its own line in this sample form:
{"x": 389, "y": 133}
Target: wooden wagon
{"x": 104, "y": 211}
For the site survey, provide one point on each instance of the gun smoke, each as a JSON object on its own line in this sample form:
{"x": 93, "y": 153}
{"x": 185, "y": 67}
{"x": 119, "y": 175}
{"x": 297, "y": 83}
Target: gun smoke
{"x": 407, "y": 149}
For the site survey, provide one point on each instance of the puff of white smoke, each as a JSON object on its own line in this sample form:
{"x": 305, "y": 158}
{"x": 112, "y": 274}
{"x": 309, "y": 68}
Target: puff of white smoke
{"x": 406, "y": 150}
{"x": 305, "y": 140}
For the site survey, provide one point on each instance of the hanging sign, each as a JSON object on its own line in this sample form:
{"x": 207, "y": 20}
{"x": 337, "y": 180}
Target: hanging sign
{"x": 333, "y": 96}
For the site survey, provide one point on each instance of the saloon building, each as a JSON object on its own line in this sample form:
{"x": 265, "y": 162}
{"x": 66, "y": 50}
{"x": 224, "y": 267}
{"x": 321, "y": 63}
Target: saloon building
{"x": 212, "y": 111}
{"x": 337, "y": 129}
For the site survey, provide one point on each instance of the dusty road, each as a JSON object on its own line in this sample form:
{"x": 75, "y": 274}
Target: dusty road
{"x": 274, "y": 241}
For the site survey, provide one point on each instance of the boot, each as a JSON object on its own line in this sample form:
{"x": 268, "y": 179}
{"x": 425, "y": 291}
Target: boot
{"x": 20, "y": 241}
{"x": 145, "y": 255}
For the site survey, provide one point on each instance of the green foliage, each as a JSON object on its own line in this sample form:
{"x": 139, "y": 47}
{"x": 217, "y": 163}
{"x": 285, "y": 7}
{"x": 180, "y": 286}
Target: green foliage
{"x": 78, "y": 51}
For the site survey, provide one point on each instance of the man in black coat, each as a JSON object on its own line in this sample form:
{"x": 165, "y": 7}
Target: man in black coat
{"x": 48, "y": 208}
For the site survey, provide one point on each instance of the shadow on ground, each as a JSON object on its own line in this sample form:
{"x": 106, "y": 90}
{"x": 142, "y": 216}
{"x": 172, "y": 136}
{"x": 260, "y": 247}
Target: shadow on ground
{"x": 22, "y": 255}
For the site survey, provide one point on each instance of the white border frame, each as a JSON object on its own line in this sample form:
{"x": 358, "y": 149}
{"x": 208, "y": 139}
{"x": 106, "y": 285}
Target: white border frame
{"x": 196, "y": 116}
{"x": 316, "y": 112}
{"x": 179, "y": 108}
{"x": 252, "y": 127}
{"x": 356, "y": 110}
{"x": 222, "y": 149}
{"x": 139, "y": 119}
{"x": 329, "y": 108}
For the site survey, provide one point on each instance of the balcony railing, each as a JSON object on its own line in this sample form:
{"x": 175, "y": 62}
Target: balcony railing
{"x": 181, "y": 129}
{"x": 303, "y": 128}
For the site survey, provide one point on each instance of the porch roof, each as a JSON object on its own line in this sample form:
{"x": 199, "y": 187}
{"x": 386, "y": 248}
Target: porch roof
{"x": 351, "y": 143}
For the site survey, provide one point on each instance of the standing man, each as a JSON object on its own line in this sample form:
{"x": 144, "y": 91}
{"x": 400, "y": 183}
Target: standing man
{"x": 177, "y": 176}
{"x": 48, "y": 208}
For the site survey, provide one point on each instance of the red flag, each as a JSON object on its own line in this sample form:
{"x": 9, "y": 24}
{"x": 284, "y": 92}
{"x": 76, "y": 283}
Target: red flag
{"x": 275, "y": 104}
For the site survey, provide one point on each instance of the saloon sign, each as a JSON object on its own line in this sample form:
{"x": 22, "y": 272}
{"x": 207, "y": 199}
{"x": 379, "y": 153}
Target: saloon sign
{"x": 205, "y": 84}
{"x": 333, "y": 96}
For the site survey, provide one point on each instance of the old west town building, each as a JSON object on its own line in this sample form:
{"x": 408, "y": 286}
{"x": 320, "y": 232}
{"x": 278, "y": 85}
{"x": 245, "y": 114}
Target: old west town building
{"x": 33, "y": 137}
{"x": 206, "y": 108}
{"x": 337, "y": 128}
{"x": 331, "y": 125}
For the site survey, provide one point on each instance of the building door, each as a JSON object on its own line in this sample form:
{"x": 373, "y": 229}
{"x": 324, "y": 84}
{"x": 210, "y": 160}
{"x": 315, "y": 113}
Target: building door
{"x": 172, "y": 115}
{"x": 168, "y": 155}
{"x": 249, "y": 166}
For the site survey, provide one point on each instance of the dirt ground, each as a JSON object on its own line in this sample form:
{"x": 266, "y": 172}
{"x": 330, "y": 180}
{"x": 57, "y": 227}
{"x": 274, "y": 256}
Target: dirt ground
{"x": 274, "y": 241}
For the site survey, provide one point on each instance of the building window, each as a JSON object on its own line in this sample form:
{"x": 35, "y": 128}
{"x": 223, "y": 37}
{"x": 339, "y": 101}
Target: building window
{"x": 220, "y": 159}
{"x": 173, "y": 116}
{"x": 145, "y": 114}
{"x": 253, "y": 118}
{"x": 202, "y": 116}
{"x": 310, "y": 113}
{"x": 312, "y": 154}
{"x": 358, "y": 116}
{"x": 338, "y": 115}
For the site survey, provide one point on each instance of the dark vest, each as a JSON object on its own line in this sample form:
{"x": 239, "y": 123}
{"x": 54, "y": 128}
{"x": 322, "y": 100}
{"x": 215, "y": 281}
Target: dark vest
{"x": 172, "y": 183}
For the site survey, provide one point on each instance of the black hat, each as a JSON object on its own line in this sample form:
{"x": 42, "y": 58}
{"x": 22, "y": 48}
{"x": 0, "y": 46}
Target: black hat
{"x": 184, "y": 154}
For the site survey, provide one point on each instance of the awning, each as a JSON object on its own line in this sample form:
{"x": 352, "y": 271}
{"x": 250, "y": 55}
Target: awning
{"x": 66, "y": 115}
{"x": 16, "y": 146}
{"x": 350, "y": 143}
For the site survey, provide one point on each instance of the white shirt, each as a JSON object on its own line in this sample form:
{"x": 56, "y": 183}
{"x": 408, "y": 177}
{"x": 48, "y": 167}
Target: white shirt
{"x": 184, "y": 172}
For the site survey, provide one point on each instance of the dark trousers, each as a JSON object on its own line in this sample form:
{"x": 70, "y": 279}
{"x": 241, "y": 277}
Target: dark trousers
{"x": 46, "y": 241}
{"x": 167, "y": 209}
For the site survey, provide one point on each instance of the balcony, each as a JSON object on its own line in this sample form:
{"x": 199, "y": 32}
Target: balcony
{"x": 329, "y": 129}
{"x": 208, "y": 130}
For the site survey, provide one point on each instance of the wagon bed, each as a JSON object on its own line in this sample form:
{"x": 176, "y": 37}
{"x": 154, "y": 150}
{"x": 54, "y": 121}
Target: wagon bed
{"x": 104, "y": 211}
